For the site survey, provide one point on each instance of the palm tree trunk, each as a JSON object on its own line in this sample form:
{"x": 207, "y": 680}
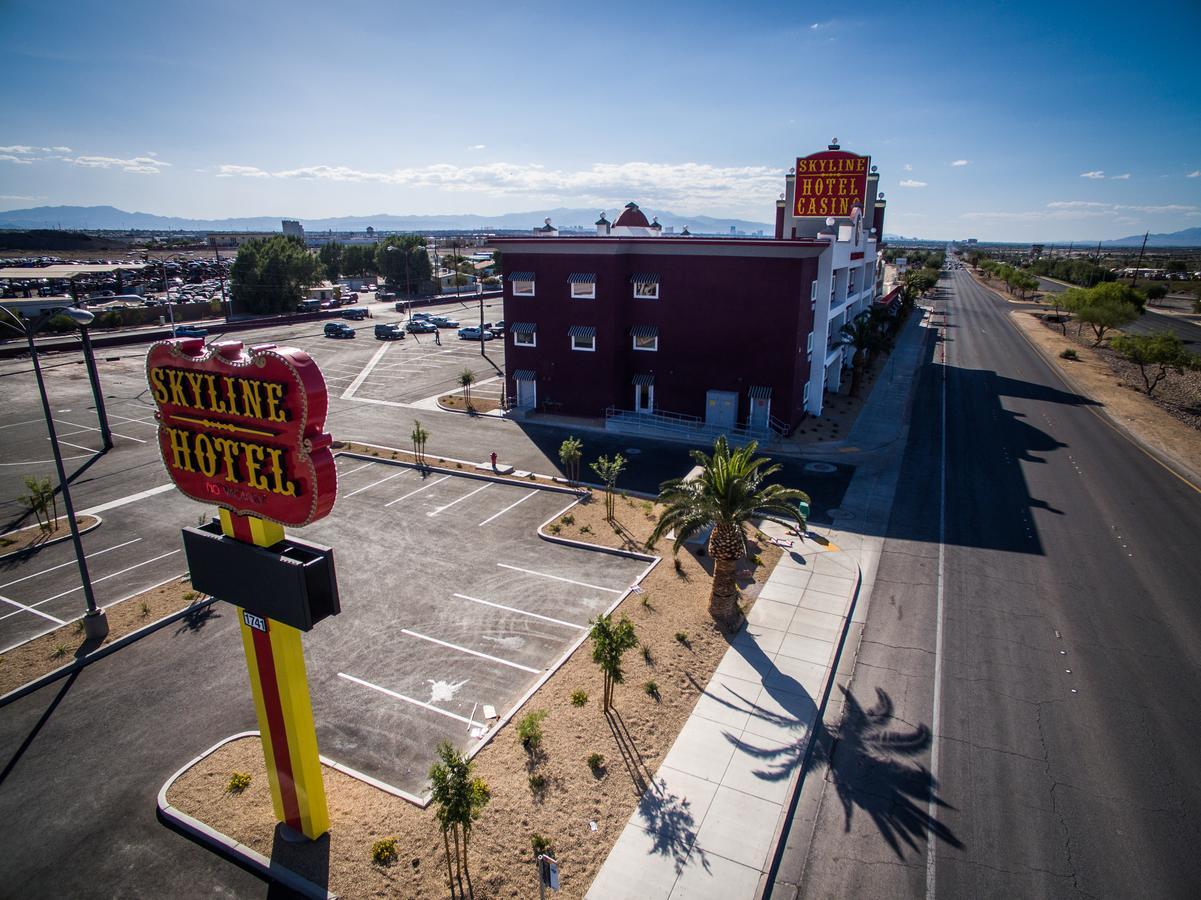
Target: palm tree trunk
{"x": 723, "y": 599}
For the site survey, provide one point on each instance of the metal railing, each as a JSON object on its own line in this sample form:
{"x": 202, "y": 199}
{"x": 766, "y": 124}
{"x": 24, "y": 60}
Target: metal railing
{"x": 669, "y": 424}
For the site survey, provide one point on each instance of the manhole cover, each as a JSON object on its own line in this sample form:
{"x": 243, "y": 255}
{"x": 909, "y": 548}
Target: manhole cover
{"x": 632, "y": 451}
{"x": 823, "y": 468}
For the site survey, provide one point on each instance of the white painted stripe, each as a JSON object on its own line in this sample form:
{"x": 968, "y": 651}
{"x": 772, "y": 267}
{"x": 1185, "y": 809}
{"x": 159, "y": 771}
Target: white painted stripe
{"x": 50, "y": 462}
{"x": 92, "y": 428}
{"x": 595, "y": 587}
{"x": 383, "y": 690}
{"x": 355, "y": 469}
{"x": 105, "y": 578}
{"x": 377, "y": 402}
{"x": 495, "y": 659}
{"x": 487, "y": 485}
{"x": 507, "y": 508}
{"x": 21, "y": 607}
{"x": 418, "y": 491}
{"x": 70, "y": 563}
{"x": 77, "y": 446}
{"x": 362, "y": 376}
{"x": 519, "y": 611}
{"x": 132, "y": 498}
{"x": 143, "y": 421}
{"x": 374, "y": 483}
{"x": 26, "y": 422}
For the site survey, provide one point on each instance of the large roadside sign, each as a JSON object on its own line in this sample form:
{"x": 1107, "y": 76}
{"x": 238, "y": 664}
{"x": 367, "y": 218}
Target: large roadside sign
{"x": 829, "y": 183}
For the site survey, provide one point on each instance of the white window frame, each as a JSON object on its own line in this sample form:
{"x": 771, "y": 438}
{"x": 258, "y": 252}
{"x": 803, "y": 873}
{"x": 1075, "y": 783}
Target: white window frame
{"x": 521, "y": 293}
{"x": 589, "y": 286}
{"x": 518, "y": 335}
{"x": 813, "y": 294}
{"x": 851, "y": 281}
{"x": 636, "y": 338}
{"x": 809, "y": 345}
{"x": 575, "y": 345}
{"x": 805, "y": 396}
{"x": 653, "y": 286}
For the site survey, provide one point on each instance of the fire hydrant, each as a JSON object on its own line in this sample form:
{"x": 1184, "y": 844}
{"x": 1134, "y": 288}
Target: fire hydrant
{"x": 493, "y": 459}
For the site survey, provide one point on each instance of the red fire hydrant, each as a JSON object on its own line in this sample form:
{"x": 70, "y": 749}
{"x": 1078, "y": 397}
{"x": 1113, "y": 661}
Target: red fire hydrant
{"x": 494, "y": 459}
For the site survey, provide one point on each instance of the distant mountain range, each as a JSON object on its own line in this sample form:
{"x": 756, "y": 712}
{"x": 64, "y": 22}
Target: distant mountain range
{"x": 109, "y": 218}
{"x": 1189, "y": 237}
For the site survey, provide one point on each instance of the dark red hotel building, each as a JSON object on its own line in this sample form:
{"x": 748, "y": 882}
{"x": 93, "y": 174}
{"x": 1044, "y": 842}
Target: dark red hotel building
{"x": 690, "y": 330}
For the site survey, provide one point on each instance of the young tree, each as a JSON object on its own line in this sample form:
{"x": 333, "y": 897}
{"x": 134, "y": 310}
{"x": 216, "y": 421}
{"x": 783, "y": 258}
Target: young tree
{"x": 1100, "y": 309}
{"x": 419, "y": 436}
{"x": 466, "y": 380}
{"x": 570, "y": 452}
{"x": 609, "y": 644}
{"x": 460, "y": 799}
{"x": 331, "y": 259}
{"x": 1161, "y": 353}
{"x": 727, "y": 494}
{"x": 608, "y": 471}
{"x": 37, "y": 501}
{"x": 272, "y": 275}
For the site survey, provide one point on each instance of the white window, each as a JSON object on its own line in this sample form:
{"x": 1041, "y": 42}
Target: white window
{"x": 525, "y": 339}
{"x": 809, "y": 344}
{"x": 584, "y": 342}
{"x": 523, "y": 288}
{"x": 805, "y": 396}
{"x": 583, "y": 290}
{"x": 646, "y": 290}
{"x": 851, "y": 281}
{"x": 646, "y": 342}
{"x": 813, "y": 291}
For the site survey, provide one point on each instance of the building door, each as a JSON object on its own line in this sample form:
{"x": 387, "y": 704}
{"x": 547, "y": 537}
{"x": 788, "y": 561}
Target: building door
{"x": 644, "y": 398}
{"x": 721, "y": 408}
{"x": 760, "y": 414}
{"x": 527, "y": 394}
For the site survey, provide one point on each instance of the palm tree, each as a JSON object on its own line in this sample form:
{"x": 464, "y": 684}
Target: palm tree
{"x": 466, "y": 380}
{"x": 863, "y": 335}
{"x": 727, "y": 494}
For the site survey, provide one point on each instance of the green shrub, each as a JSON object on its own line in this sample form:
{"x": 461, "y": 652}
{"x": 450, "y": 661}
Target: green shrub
{"x": 529, "y": 729}
{"x": 190, "y": 597}
{"x": 568, "y": 519}
{"x": 537, "y": 782}
{"x": 238, "y": 782}
{"x": 652, "y": 690}
{"x": 647, "y": 656}
{"x": 579, "y": 698}
{"x": 585, "y": 529}
{"x": 144, "y": 609}
{"x": 646, "y": 602}
{"x": 60, "y": 651}
{"x": 1069, "y": 353}
{"x": 682, "y": 637}
{"x": 596, "y": 762}
{"x": 540, "y": 845}
{"x": 383, "y": 853}
{"x": 554, "y": 528}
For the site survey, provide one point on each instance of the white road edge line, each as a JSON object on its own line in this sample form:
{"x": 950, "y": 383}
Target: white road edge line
{"x": 383, "y": 690}
{"x": 435, "y": 512}
{"x": 506, "y": 509}
{"x": 374, "y": 483}
{"x": 495, "y": 659}
{"x": 418, "y": 491}
{"x": 71, "y": 563}
{"x": 21, "y": 607}
{"x": 122, "y": 501}
{"x": 595, "y": 587}
{"x": 522, "y": 612}
{"x": 362, "y": 376}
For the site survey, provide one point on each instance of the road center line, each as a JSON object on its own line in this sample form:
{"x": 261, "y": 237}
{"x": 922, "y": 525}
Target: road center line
{"x": 71, "y": 563}
{"x": 374, "y": 483}
{"x": 362, "y": 376}
{"x": 418, "y": 491}
{"x": 495, "y": 659}
{"x": 487, "y": 485}
{"x": 430, "y": 707}
{"x": 595, "y": 587}
{"x": 507, "y": 508}
{"x": 522, "y": 612}
{"x": 21, "y": 607}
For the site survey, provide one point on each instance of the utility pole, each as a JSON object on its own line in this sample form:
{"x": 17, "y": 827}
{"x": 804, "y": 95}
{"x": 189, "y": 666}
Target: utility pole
{"x": 1138, "y": 265}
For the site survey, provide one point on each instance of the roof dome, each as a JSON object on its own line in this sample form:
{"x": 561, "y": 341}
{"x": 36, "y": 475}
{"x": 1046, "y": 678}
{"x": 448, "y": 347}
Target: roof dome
{"x": 631, "y": 217}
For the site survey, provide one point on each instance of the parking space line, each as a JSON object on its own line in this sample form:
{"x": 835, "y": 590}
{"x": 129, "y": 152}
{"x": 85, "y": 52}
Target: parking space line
{"x": 487, "y": 485}
{"x": 595, "y": 587}
{"x": 98, "y": 580}
{"x": 495, "y": 659}
{"x": 430, "y": 707}
{"x": 18, "y": 424}
{"x": 77, "y": 446}
{"x": 122, "y": 501}
{"x": 418, "y": 491}
{"x": 522, "y": 612}
{"x": 21, "y": 607}
{"x": 507, "y": 508}
{"x": 374, "y": 483}
{"x": 70, "y": 563}
{"x": 113, "y": 415}
{"x": 90, "y": 428}
{"x": 362, "y": 376}
{"x": 355, "y": 469}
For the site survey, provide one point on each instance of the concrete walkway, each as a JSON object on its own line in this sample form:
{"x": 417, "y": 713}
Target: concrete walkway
{"x": 707, "y": 825}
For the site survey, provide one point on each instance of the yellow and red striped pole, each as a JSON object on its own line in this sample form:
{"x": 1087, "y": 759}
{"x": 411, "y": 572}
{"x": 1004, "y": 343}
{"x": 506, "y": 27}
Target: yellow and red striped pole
{"x": 275, "y": 660}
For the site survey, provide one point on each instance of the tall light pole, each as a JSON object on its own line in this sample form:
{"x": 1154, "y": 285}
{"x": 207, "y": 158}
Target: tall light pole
{"x": 95, "y": 623}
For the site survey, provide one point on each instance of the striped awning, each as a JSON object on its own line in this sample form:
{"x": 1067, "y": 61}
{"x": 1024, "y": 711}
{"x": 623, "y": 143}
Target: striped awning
{"x": 643, "y": 379}
{"x": 521, "y": 276}
{"x": 644, "y": 278}
{"x": 581, "y": 278}
{"x": 645, "y": 331}
{"x": 524, "y": 375}
{"x": 582, "y": 331}
{"x": 759, "y": 393}
{"x": 524, "y": 327}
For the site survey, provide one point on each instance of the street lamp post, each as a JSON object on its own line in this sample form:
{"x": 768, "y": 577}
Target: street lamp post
{"x": 95, "y": 623}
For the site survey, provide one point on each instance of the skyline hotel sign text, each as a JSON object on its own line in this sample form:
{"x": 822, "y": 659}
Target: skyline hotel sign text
{"x": 829, "y": 183}
{"x": 244, "y": 429}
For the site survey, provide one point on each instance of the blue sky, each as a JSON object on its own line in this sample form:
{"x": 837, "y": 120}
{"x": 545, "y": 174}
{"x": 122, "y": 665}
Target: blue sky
{"x": 1015, "y": 121}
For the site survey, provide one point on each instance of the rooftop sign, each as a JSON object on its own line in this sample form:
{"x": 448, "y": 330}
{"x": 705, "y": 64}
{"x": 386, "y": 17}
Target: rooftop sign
{"x": 829, "y": 183}
{"x": 244, "y": 429}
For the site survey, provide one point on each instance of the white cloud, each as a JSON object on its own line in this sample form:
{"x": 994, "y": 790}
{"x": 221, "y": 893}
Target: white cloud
{"x": 59, "y": 149}
{"x": 1096, "y": 173}
{"x": 910, "y": 183}
{"x": 478, "y": 147}
{"x": 908, "y": 168}
{"x": 1125, "y": 177}
{"x": 1118, "y": 213}
{"x": 1196, "y": 173}
{"x": 8, "y": 157}
{"x": 228, "y": 171}
{"x": 959, "y": 162}
{"x": 21, "y": 197}
{"x": 25, "y": 148}
{"x": 137, "y": 165}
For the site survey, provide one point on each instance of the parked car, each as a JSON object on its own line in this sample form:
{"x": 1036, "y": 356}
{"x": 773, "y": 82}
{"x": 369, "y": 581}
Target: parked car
{"x": 422, "y": 315}
{"x": 444, "y": 322}
{"x": 338, "y": 330}
{"x": 354, "y": 313}
{"x": 190, "y": 331}
{"x": 389, "y": 332}
{"x": 498, "y": 330}
{"x": 474, "y": 334}
{"x": 420, "y": 326}
{"x": 384, "y": 295}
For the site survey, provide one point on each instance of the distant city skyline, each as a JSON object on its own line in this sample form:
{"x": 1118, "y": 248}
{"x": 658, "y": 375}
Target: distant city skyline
{"x": 1026, "y": 125}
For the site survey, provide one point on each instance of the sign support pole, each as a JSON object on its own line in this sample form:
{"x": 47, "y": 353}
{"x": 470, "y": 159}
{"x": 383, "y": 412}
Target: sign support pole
{"x": 275, "y": 660}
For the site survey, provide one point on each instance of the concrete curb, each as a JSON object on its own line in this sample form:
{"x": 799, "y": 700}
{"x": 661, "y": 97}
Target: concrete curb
{"x": 58, "y": 540}
{"x": 227, "y": 846}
